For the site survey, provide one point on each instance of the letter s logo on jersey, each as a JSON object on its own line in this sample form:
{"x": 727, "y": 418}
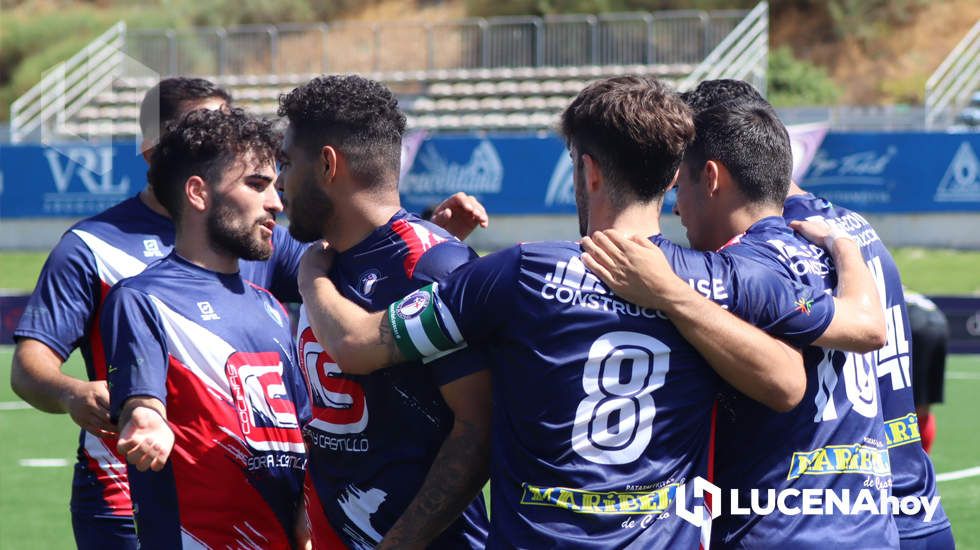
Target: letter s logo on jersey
{"x": 266, "y": 414}
{"x": 338, "y": 404}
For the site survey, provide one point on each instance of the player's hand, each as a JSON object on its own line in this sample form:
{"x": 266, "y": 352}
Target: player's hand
{"x": 460, "y": 214}
{"x": 634, "y": 268}
{"x": 819, "y": 232}
{"x": 316, "y": 262}
{"x": 146, "y": 440}
{"x": 88, "y": 405}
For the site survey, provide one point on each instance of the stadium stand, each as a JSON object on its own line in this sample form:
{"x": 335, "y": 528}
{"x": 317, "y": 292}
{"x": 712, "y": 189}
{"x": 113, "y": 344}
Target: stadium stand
{"x": 504, "y": 73}
{"x": 953, "y": 90}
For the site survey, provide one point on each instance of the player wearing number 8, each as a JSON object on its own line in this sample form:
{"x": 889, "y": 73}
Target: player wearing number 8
{"x": 602, "y": 408}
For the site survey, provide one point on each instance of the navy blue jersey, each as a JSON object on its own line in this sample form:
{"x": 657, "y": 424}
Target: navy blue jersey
{"x": 601, "y": 408}
{"x": 834, "y": 440}
{"x": 912, "y": 471}
{"x": 63, "y": 313}
{"x": 373, "y": 438}
{"x": 217, "y": 351}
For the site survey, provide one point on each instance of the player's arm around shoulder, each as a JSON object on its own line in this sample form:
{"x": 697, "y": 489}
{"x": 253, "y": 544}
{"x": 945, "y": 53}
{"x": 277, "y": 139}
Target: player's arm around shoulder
{"x": 359, "y": 341}
{"x": 758, "y": 365}
{"x": 58, "y": 315}
{"x": 858, "y": 324}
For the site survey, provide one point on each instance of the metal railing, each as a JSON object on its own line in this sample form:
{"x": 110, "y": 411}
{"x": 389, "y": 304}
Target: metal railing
{"x": 742, "y": 54}
{"x": 949, "y": 88}
{"x": 69, "y": 86}
{"x": 667, "y": 37}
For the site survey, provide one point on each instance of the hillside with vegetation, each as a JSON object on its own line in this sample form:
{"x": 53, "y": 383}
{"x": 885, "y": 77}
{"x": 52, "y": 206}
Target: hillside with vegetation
{"x": 823, "y": 52}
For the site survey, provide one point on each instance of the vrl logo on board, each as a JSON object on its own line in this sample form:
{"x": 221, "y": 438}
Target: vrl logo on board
{"x": 91, "y": 166}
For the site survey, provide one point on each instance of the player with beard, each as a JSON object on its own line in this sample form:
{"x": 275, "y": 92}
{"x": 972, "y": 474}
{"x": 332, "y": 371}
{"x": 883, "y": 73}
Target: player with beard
{"x": 63, "y": 313}
{"x": 395, "y": 456}
{"x": 201, "y": 371}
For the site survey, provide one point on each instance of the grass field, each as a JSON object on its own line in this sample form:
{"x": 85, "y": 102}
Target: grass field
{"x": 926, "y": 271}
{"x": 34, "y": 500}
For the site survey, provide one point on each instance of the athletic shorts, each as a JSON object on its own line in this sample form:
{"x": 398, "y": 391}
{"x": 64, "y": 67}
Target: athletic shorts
{"x": 930, "y": 335}
{"x": 103, "y": 532}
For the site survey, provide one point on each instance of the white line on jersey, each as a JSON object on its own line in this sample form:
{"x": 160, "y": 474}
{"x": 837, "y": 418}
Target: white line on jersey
{"x": 959, "y": 474}
{"x": 13, "y": 405}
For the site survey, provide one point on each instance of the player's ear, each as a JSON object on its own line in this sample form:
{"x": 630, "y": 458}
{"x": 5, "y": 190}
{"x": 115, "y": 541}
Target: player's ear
{"x": 328, "y": 163}
{"x": 197, "y": 193}
{"x": 712, "y": 175}
{"x": 593, "y": 176}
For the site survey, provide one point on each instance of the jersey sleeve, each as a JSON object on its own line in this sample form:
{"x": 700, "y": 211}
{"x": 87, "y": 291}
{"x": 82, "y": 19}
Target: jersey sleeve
{"x": 284, "y": 266}
{"x": 783, "y": 307}
{"x": 466, "y": 307}
{"x": 441, "y": 260}
{"x": 135, "y": 350}
{"x": 65, "y": 299}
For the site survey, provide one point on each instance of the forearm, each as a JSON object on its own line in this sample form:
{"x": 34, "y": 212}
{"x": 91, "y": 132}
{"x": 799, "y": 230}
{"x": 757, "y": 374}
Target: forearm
{"x": 753, "y": 362}
{"x": 360, "y": 342}
{"x": 455, "y": 478}
{"x": 36, "y": 376}
{"x": 138, "y": 401}
{"x": 859, "y": 321}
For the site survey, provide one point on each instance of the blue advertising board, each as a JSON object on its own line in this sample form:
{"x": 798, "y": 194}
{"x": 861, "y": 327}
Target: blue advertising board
{"x": 525, "y": 174}
{"x": 898, "y": 172}
{"x": 71, "y": 180}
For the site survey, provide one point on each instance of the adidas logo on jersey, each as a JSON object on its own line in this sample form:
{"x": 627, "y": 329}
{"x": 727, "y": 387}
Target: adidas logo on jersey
{"x": 207, "y": 312}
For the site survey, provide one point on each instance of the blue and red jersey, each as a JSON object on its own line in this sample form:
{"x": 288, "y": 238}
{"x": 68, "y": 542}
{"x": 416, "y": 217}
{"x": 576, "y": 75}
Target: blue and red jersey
{"x": 912, "y": 471}
{"x": 833, "y": 440}
{"x": 63, "y": 313}
{"x": 217, "y": 351}
{"x": 372, "y": 439}
{"x": 601, "y": 408}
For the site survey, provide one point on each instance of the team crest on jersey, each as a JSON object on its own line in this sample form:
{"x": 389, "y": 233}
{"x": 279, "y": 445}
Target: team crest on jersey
{"x": 151, "y": 249}
{"x": 367, "y": 281}
{"x": 413, "y": 305}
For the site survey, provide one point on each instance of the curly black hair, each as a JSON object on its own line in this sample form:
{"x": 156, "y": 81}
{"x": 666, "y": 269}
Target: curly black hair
{"x": 166, "y": 101}
{"x": 205, "y": 143}
{"x": 636, "y": 128}
{"x": 357, "y": 116}
{"x": 711, "y": 93}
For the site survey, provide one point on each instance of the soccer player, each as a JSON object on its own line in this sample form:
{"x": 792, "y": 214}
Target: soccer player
{"x": 397, "y": 454}
{"x": 602, "y": 408}
{"x": 930, "y": 337}
{"x": 202, "y": 375}
{"x": 62, "y": 314}
{"x": 912, "y": 472}
{"x": 829, "y": 409}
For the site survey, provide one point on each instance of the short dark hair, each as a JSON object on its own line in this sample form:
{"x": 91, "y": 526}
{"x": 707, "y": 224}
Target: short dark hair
{"x": 205, "y": 143}
{"x": 711, "y": 93}
{"x": 164, "y": 102}
{"x": 635, "y": 128}
{"x": 358, "y": 116}
{"x": 750, "y": 141}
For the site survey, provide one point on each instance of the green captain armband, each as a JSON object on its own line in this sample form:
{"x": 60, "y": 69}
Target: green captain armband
{"x": 422, "y": 326}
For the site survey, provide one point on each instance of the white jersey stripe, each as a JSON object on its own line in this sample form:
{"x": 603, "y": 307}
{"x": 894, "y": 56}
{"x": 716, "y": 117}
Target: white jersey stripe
{"x": 114, "y": 264}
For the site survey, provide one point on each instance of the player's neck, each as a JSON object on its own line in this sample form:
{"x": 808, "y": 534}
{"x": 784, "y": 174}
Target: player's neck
{"x": 795, "y": 189}
{"x": 147, "y": 197}
{"x": 355, "y": 218}
{"x": 635, "y": 219}
{"x": 193, "y": 245}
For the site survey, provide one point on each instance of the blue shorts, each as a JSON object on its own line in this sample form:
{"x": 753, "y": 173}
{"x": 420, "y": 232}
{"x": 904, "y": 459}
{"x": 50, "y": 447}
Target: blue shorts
{"x": 939, "y": 540}
{"x": 103, "y": 532}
